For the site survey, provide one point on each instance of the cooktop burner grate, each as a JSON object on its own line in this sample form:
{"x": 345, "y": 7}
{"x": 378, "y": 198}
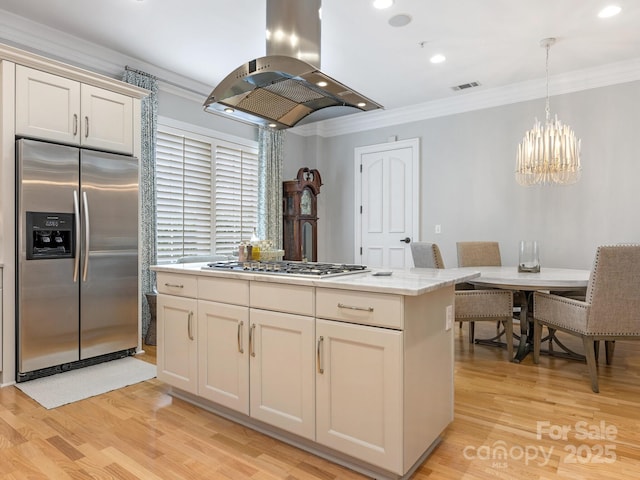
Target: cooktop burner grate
{"x": 288, "y": 268}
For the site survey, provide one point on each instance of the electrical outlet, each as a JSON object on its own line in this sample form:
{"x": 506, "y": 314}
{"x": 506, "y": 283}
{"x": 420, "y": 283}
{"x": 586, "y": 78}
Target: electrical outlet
{"x": 438, "y": 229}
{"x": 448, "y": 323}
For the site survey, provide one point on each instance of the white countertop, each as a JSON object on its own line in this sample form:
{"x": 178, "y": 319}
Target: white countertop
{"x": 414, "y": 281}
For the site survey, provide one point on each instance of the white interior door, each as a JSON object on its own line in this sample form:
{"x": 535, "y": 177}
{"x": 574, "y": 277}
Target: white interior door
{"x": 387, "y": 203}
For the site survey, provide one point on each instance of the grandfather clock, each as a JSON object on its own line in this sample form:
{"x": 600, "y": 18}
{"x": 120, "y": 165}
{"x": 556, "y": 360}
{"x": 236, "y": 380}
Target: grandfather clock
{"x": 300, "y": 216}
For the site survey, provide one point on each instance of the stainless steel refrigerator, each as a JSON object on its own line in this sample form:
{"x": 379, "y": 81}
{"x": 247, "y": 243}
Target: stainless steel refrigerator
{"x": 77, "y": 257}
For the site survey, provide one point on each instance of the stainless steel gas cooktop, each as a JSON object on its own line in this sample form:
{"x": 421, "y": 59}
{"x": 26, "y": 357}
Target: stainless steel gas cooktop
{"x": 291, "y": 268}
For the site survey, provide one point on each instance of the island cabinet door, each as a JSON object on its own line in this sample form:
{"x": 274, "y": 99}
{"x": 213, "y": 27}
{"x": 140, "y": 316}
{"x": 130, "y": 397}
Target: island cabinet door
{"x": 177, "y": 347}
{"x": 359, "y": 392}
{"x": 223, "y": 354}
{"x": 281, "y": 371}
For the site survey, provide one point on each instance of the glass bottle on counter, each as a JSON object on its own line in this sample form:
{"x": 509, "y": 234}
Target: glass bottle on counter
{"x": 255, "y": 243}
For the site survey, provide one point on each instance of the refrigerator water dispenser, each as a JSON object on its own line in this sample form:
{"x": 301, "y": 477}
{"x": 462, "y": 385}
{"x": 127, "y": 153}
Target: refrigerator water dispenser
{"x": 49, "y": 235}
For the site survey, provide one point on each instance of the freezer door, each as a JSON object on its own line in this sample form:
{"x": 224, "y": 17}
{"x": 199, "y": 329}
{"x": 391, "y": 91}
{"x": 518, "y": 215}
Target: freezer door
{"x": 47, "y": 295}
{"x": 109, "y": 268}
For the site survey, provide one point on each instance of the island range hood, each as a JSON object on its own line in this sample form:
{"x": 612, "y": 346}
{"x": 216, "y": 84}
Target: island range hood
{"x": 286, "y": 87}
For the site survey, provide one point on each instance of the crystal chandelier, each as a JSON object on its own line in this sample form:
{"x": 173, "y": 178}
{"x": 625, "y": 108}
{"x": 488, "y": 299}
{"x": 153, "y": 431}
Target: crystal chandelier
{"x": 549, "y": 154}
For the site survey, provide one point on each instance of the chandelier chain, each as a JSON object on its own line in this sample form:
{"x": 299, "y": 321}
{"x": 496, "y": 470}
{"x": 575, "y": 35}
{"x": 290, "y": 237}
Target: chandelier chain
{"x": 547, "y": 110}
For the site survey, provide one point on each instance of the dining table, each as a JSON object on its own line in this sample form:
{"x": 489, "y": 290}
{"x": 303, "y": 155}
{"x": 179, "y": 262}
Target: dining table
{"x": 523, "y": 284}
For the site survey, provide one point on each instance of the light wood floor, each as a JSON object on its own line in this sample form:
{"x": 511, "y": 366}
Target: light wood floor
{"x": 140, "y": 432}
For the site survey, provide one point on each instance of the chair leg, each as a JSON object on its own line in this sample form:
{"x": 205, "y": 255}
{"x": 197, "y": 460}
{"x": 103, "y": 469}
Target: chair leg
{"x": 508, "y": 330}
{"x": 537, "y": 338}
{"x": 609, "y": 346}
{"x": 590, "y": 355}
{"x": 596, "y": 349}
{"x": 471, "y": 331}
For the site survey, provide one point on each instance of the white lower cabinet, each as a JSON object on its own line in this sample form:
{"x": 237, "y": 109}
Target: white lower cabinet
{"x": 177, "y": 353}
{"x": 359, "y": 394}
{"x": 223, "y": 355}
{"x": 259, "y": 363}
{"x": 282, "y": 371}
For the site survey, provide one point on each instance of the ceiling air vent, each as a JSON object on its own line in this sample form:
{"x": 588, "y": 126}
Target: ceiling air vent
{"x": 464, "y": 86}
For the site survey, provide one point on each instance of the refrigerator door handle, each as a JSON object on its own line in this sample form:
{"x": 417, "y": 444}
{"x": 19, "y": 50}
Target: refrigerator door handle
{"x": 76, "y": 216}
{"x": 86, "y": 236}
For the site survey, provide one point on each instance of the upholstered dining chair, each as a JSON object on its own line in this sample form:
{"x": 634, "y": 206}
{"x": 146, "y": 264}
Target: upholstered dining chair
{"x": 471, "y": 305}
{"x": 426, "y": 255}
{"x": 609, "y": 311}
{"x": 479, "y": 254}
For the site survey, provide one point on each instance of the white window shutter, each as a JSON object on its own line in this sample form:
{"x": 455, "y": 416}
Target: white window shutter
{"x": 207, "y": 194}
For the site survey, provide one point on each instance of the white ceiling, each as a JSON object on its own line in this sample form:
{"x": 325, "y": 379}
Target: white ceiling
{"x": 493, "y": 42}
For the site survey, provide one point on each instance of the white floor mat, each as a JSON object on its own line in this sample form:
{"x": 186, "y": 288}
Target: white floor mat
{"x": 74, "y": 385}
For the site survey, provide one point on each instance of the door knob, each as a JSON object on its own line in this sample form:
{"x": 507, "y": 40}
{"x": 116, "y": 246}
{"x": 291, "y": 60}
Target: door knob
{"x": 406, "y": 240}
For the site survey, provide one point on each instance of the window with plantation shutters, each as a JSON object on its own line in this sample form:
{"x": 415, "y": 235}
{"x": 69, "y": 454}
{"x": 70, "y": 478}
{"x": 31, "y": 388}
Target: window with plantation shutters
{"x": 207, "y": 194}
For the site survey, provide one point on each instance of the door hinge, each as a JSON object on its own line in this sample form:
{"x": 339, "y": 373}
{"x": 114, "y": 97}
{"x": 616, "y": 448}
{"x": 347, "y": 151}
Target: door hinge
{"x": 360, "y": 168}
{"x": 360, "y": 209}
{"x": 360, "y": 250}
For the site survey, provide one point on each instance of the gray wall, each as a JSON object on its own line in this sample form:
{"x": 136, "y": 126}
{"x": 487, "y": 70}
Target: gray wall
{"x": 467, "y": 183}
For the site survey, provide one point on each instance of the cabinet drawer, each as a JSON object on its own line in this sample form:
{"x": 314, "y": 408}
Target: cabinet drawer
{"x": 365, "y": 308}
{"x": 282, "y": 297}
{"x": 223, "y": 290}
{"x": 180, "y": 285}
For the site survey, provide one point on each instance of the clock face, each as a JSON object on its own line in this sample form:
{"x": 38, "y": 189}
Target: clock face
{"x": 305, "y": 203}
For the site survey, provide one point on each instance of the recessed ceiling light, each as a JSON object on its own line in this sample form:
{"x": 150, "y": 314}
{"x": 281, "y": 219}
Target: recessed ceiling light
{"x": 400, "y": 20}
{"x": 438, "y": 58}
{"x": 609, "y": 11}
{"x": 382, "y": 4}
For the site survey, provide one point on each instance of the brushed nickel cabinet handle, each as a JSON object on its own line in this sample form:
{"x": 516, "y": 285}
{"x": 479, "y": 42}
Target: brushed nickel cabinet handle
{"x": 319, "y": 355}
{"x": 190, "y": 326}
{"x": 240, "y": 342}
{"x": 75, "y": 124}
{"x": 351, "y": 307}
{"x": 252, "y": 346}
{"x": 173, "y": 285}
{"x": 86, "y": 127}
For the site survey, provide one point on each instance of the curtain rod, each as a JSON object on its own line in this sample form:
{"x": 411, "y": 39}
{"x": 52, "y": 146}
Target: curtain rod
{"x": 182, "y": 87}
{"x": 135, "y": 70}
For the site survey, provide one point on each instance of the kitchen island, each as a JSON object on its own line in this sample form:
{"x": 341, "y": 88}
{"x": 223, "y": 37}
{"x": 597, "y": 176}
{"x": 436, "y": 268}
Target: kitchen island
{"x": 355, "y": 368}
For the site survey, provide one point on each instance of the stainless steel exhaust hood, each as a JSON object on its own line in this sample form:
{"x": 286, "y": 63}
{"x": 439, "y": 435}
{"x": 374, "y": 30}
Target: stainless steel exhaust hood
{"x": 281, "y": 90}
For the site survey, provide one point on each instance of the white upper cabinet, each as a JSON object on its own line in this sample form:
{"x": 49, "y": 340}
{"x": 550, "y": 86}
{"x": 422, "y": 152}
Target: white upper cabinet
{"x": 47, "y": 106}
{"x": 55, "y": 108}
